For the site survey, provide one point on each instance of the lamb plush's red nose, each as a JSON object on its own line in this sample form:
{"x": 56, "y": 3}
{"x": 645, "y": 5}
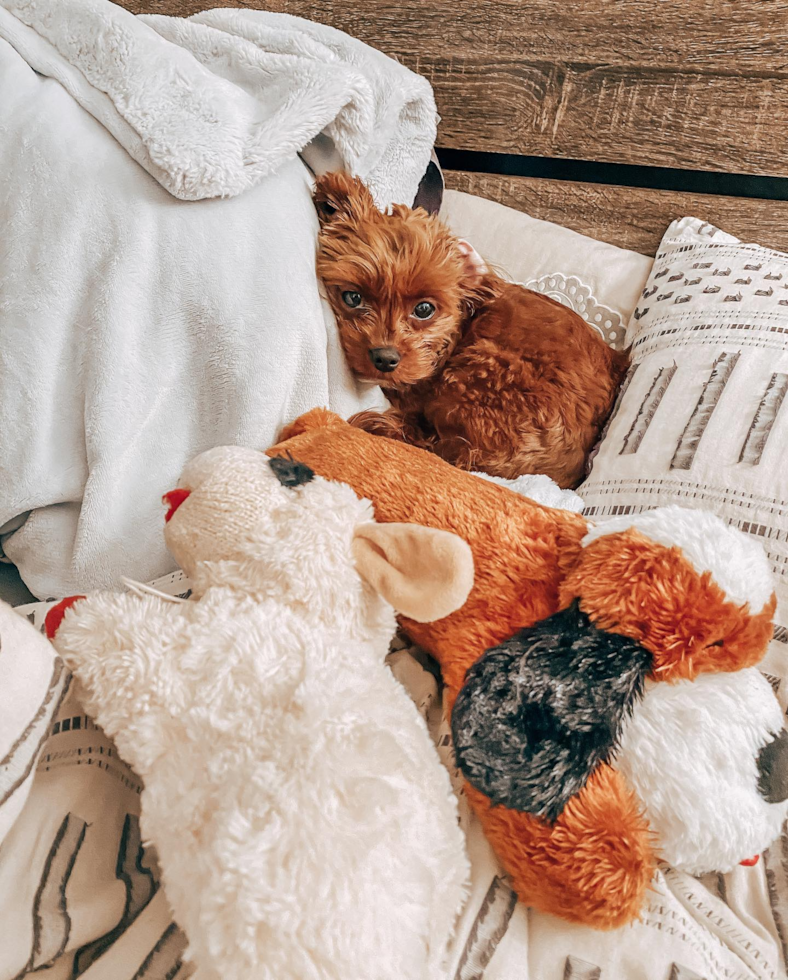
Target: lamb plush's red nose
{"x": 55, "y": 615}
{"x": 173, "y": 500}
{"x": 750, "y": 862}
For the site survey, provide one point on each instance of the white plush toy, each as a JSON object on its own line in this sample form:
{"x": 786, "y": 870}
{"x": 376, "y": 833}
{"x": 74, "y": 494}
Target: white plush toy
{"x": 304, "y": 825}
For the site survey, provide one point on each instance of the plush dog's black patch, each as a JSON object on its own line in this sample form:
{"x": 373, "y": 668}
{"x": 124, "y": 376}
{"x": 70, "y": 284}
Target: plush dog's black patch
{"x": 540, "y": 712}
{"x": 773, "y": 769}
{"x": 290, "y": 472}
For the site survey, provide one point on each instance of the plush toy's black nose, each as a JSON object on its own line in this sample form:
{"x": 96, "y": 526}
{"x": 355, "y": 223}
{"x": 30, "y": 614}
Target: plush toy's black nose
{"x": 773, "y": 769}
{"x": 384, "y": 358}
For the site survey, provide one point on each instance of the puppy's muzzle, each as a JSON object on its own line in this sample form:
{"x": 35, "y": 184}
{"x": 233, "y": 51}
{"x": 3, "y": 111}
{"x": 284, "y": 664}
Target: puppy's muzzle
{"x": 384, "y": 358}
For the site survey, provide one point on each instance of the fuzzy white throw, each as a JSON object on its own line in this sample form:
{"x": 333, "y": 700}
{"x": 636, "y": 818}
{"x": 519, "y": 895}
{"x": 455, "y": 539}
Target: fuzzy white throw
{"x": 136, "y": 329}
{"x": 211, "y": 104}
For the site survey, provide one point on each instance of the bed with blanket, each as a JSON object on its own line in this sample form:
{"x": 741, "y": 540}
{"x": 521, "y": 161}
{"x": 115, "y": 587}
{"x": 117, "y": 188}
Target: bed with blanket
{"x": 158, "y": 297}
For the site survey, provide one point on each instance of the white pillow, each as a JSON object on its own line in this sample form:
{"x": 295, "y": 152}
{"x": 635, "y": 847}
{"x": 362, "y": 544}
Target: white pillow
{"x": 599, "y": 281}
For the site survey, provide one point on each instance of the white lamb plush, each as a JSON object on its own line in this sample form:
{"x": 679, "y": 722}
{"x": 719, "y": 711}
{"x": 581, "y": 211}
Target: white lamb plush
{"x": 304, "y": 825}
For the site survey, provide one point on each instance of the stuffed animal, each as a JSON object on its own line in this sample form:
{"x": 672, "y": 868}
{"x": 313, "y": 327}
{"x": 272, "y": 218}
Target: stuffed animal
{"x": 304, "y": 824}
{"x": 606, "y": 709}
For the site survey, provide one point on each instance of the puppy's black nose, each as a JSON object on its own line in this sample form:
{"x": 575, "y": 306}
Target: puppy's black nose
{"x": 384, "y": 358}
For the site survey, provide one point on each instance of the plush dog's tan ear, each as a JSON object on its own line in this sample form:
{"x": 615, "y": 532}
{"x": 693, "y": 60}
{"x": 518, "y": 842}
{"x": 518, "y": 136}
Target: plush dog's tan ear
{"x": 425, "y": 574}
{"x": 338, "y": 194}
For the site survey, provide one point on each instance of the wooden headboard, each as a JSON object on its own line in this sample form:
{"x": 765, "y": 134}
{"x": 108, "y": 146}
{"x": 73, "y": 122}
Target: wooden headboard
{"x": 609, "y": 116}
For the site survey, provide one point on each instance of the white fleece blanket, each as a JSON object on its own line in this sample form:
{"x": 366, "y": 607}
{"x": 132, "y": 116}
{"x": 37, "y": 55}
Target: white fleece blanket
{"x": 142, "y": 322}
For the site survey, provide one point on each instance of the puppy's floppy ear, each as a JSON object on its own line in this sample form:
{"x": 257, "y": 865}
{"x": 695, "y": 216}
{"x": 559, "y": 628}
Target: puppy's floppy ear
{"x": 474, "y": 266}
{"x": 479, "y": 283}
{"x": 424, "y": 573}
{"x": 537, "y": 714}
{"x": 338, "y": 194}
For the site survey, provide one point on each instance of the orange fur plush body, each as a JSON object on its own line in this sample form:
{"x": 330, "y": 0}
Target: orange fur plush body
{"x": 591, "y": 864}
{"x": 485, "y": 373}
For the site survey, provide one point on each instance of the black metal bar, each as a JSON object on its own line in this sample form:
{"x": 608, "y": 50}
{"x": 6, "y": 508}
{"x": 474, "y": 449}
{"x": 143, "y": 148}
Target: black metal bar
{"x": 622, "y": 174}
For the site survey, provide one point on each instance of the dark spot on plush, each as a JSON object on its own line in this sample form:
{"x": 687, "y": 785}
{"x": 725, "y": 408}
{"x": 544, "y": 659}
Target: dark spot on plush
{"x": 773, "y": 769}
{"x": 430, "y": 191}
{"x": 290, "y": 472}
{"x": 537, "y": 714}
{"x": 425, "y": 661}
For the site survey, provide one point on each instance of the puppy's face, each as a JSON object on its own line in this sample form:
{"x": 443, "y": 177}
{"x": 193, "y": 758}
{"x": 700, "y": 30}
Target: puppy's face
{"x": 399, "y": 284}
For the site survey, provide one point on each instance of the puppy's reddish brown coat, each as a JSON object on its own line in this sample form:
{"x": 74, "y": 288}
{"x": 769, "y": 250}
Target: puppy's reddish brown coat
{"x": 499, "y": 378}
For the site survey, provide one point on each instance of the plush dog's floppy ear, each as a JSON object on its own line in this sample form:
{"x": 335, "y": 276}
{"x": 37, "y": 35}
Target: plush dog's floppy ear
{"x": 424, "y": 573}
{"x": 537, "y": 714}
{"x": 338, "y": 194}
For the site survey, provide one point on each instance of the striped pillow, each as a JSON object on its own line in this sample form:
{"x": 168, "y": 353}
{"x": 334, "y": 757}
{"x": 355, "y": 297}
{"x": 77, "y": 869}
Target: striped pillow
{"x": 33, "y": 682}
{"x": 702, "y": 418}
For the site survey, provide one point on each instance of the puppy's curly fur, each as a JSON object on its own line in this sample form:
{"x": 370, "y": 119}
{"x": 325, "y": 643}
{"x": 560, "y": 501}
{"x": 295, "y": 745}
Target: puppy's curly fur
{"x": 495, "y": 377}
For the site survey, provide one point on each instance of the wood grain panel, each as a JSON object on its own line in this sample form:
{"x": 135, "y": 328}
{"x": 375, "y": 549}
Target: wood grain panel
{"x": 631, "y": 217}
{"x": 720, "y": 35}
{"x": 700, "y": 84}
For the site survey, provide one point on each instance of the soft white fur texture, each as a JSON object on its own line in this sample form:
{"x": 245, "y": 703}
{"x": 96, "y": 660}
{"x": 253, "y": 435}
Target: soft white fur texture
{"x": 736, "y": 563}
{"x": 305, "y": 826}
{"x": 538, "y": 487}
{"x": 690, "y": 752}
{"x": 212, "y": 104}
{"x": 136, "y": 329}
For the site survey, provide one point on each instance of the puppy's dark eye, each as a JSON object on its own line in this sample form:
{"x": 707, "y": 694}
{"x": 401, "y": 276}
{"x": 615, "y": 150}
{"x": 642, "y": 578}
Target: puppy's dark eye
{"x": 351, "y": 298}
{"x": 423, "y": 311}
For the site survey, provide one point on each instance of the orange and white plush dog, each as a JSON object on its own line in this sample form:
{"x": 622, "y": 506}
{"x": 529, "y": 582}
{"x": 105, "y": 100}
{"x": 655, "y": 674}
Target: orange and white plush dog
{"x": 606, "y": 706}
{"x": 489, "y": 375}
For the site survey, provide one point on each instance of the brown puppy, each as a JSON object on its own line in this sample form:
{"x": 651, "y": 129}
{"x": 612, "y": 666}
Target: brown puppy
{"x": 487, "y": 374}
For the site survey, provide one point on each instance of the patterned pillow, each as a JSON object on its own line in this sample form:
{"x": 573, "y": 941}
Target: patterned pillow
{"x": 701, "y": 420}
